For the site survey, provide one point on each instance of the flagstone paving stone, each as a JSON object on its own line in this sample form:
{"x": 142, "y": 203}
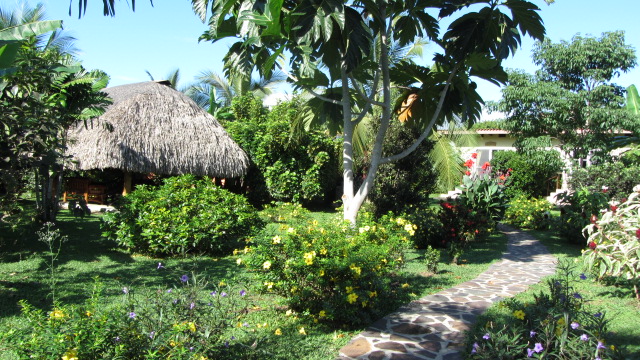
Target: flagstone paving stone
{"x": 433, "y": 327}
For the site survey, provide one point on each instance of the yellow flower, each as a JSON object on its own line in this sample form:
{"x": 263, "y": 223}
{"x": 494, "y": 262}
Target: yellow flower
{"x": 302, "y": 332}
{"x": 222, "y": 283}
{"x": 191, "y": 326}
{"x": 365, "y": 303}
{"x": 266, "y": 265}
{"x": 173, "y": 343}
{"x": 289, "y": 312}
{"x": 315, "y": 222}
{"x": 613, "y": 348}
{"x": 351, "y": 298}
{"x": 278, "y": 332}
{"x": 322, "y": 314}
{"x": 291, "y": 230}
{"x": 235, "y": 251}
{"x": 355, "y": 269}
{"x": 276, "y": 239}
{"x": 321, "y": 273}
{"x": 519, "y": 314}
{"x": 373, "y": 294}
{"x": 361, "y": 230}
{"x": 308, "y": 257}
{"x": 349, "y": 289}
{"x": 405, "y": 285}
{"x": 269, "y": 284}
{"x": 246, "y": 249}
{"x": 239, "y": 261}
{"x": 57, "y": 314}
{"x": 88, "y": 313}
{"x": 71, "y": 354}
{"x": 323, "y": 251}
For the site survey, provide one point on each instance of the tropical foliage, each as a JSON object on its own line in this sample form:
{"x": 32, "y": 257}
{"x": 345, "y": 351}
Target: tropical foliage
{"x": 334, "y": 50}
{"x": 572, "y": 96}
{"x": 184, "y": 215}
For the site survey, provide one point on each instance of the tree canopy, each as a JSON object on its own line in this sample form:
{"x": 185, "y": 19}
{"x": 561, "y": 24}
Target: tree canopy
{"x": 572, "y": 96}
{"x": 340, "y": 51}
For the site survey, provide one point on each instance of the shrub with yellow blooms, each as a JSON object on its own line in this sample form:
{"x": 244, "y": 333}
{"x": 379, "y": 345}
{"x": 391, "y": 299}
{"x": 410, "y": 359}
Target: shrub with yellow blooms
{"x": 331, "y": 270}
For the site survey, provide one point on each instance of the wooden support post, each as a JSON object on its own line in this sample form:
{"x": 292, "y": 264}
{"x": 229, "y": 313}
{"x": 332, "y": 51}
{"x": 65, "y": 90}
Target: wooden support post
{"x": 127, "y": 183}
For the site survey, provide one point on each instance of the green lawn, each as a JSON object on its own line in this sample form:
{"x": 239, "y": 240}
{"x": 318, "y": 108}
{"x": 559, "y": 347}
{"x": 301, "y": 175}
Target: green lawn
{"x": 23, "y": 274}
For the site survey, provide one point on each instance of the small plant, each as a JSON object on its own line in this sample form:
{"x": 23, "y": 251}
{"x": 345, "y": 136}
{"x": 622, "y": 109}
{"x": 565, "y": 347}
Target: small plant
{"x": 431, "y": 259}
{"x": 614, "y": 241}
{"x": 54, "y": 240}
{"x": 528, "y": 213}
{"x": 333, "y": 272}
{"x": 190, "y": 320}
{"x": 557, "y": 325}
{"x": 485, "y": 196}
{"x": 184, "y": 215}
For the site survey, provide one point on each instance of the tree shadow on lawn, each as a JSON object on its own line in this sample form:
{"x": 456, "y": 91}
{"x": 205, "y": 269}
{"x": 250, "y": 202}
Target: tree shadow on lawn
{"x": 84, "y": 257}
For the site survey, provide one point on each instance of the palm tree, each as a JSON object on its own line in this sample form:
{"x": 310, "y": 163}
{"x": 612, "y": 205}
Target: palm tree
{"x": 172, "y": 76}
{"x": 212, "y": 88}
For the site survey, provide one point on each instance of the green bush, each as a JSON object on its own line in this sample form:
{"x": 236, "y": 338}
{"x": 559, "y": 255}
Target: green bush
{"x": 333, "y": 272}
{"x": 583, "y": 207}
{"x": 183, "y": 215}
{"x": 428, "y": 222}
{"x": 190, "y": 320}
{"x": 528, "y": 213}
{"x": 302, "y": 168}
{"x": 485, "y": 196}
{"x": 532, "y": 174}
{"x": 407, "y": 181}
{"x": 617, "y": 178}
{"x": 431, "y": 259}
{"x": 557, "y": 325}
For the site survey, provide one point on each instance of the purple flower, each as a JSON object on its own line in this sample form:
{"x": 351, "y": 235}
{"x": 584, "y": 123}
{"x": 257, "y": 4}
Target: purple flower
{"x": 584, "y": 337}
{"x": 192, "y": 305}
{"x": 209, "y": 304}
{"x": 132, "y": 315}
{"x": 117, "y": 339}
{"x": 152, "y": 334}
{"x": 598, "y": 314}
{"x": 538, "y": 347}
{"x": 575, "y": 325}
{"x": 532, "y": 333}
{"x": 169, "y": 291}
{"x": 245, "y": 325}
{"x": 160, "y": 266}
{"x": 125, "y": 290}
{"x": 530, "y": 352}
{"x": 184, "y": 278}
{"x": 223, "y": 294}
{"x": 226, "y": 344}
{"x": 601, "y": 345}
{"x": 243, "y": 293}
{"x": 583, "y": 277}
{"x": 598, "y": 358}
{"x": 191, "y": 348}
{"x": 577, "y": 296}
{"x": 487, "y": 336}
{"x": 214, "y": 293}
{"x": 475, "y": 347}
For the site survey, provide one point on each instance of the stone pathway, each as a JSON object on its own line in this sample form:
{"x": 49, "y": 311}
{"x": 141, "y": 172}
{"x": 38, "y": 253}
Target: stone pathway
{"x": 433, "y": 327}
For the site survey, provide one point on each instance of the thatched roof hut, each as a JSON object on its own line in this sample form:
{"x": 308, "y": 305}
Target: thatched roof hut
{"x": 152, "y": 128}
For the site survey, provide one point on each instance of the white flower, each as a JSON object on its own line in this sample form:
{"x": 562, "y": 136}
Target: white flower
{"x": 637, "y": 188}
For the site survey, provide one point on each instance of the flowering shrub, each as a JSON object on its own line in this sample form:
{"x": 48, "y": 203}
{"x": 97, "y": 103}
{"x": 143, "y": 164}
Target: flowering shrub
{"x": 484, "y": 195}
{"x": 428, "y": 222}
{"x": 184, "y": 215}
{"x": 614, "y": 241}
{"x": 187, "y": 321}
{"x": 333, "y": 272}
{"x": 528, "y": 213}
{"x": 557, "y": 325}
{"x": 280, "y": 212}
{"x": 583, "y": 207}
{"x": 616, "y": 177}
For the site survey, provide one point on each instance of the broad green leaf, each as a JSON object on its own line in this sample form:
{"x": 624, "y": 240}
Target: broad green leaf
{"x": 25, "y": 31}
{"x": 8, "y": 52}
{"x": 633, "y": 100}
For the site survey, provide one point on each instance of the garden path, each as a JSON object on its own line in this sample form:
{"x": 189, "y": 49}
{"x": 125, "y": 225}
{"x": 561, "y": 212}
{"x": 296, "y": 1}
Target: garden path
{"x": 433, "y": 327}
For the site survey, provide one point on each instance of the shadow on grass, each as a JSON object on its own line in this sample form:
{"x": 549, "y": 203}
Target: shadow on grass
{"x": 24, "y": 267}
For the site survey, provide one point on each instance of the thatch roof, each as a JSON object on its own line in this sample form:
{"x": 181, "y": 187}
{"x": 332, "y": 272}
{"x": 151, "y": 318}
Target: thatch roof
{"x": 155, "y": 129}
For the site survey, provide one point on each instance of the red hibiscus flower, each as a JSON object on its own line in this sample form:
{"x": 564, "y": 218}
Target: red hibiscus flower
{"x": 474, "y": 155}
{"x": 468, "y": 163}
{"x": 468, "y": 173}
{"x": 592, "y": 245}
{"x": 485, "y": 165}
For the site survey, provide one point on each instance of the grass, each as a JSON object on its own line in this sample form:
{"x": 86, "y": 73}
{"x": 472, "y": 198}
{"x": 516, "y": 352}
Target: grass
{"x": 85, "y": 256}
{"x": 615, "y": 300}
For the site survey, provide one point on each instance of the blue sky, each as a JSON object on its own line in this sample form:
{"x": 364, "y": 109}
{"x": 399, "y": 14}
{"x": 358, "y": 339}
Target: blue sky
{"x": 165, "y": 36}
